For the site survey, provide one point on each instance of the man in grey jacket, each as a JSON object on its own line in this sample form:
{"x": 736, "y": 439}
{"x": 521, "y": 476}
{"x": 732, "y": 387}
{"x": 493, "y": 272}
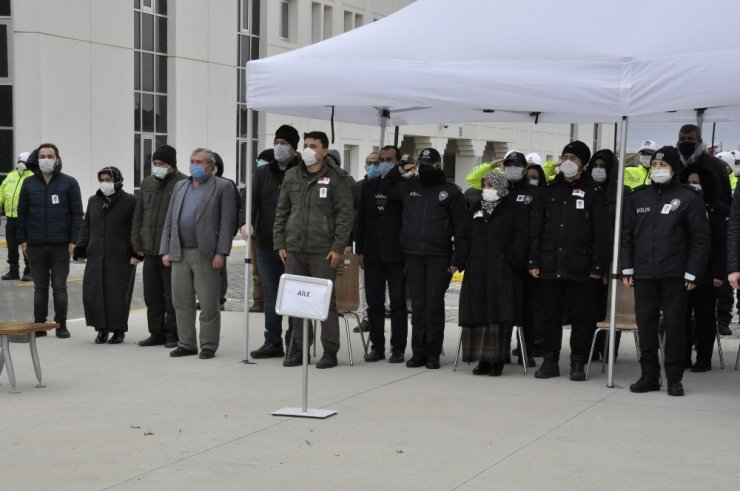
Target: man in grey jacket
{"x": 313, "y": 221}
{"x": 146, "y": 235}
{"x": 196, "y": 239}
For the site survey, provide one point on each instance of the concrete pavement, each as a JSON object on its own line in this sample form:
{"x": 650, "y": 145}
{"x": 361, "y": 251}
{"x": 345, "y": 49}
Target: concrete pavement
{"x": 125, "y": 417}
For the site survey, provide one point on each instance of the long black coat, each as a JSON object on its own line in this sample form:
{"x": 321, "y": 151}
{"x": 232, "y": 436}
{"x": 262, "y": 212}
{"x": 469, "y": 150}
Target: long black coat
{"x": 105, "y": 241}
{"x": 495, "y": 257}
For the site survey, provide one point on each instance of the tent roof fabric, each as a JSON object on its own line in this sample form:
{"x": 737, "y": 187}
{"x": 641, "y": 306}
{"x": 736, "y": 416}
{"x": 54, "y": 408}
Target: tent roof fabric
{"x": 497, "y": 60}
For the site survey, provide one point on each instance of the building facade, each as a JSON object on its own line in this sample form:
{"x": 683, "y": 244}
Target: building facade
{"x": 109, "y": 81}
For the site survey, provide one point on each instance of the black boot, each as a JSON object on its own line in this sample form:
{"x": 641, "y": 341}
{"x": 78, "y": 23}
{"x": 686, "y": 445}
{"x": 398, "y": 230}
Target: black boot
{"x": 577, "y": 370}
{"x": 26, "y": 274}
{"x": 12, "y": 273}
{"x": 549, "y": 366}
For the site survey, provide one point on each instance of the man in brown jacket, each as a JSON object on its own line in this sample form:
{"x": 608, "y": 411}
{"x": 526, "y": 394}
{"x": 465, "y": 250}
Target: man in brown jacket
{"x": 313, "y": 221}
{"x": 146, "y": 235}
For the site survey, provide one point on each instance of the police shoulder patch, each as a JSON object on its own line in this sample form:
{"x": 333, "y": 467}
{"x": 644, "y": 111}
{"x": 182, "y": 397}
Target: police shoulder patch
{"x": 675, "y": 203}
{"x": 443, "y": 195}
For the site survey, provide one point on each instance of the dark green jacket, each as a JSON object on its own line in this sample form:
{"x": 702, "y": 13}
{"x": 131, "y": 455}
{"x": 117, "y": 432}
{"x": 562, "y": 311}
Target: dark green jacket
{"x": 151, "y": 211}
{"x": 314, "y": 212}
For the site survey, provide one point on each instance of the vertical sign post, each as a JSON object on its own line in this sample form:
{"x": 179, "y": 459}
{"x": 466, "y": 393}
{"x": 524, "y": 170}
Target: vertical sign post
{"x": 309, "y": 299}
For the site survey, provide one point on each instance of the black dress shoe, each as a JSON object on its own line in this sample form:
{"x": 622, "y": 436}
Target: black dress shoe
{"x": 364, "y": 326}
{"x": 645, "y": 384}
{"x": 206, "y": 354}
{"x": 724, "y": 330}
{"x": 396, "y": 357}
{"x": 375, "y": 355}
{"x": 153, "y": 340}
{"x": 117, "y": 337}
{"x": 433, "y": 362}
{"x": 416, "y": 361}
{"x": 41, "y": 334}
{"x": 496, "y": 369}
{"x": 268, "y": 350}
{"x": 180, "y": 351}
{"x": 62, "y": 332}
{"x": 675, "y": 388}
{"x": 102, "y": 337}
{"x": 701, "y": 366}
{"x": 482, "y": 368}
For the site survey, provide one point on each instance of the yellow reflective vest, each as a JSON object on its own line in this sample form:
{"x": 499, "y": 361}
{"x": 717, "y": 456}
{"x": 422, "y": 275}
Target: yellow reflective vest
{"x": 10, "y": 191}
{"x": 636, "y": 176}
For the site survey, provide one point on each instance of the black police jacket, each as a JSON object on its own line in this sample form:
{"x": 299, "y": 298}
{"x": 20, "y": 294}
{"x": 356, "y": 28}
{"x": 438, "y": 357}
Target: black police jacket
{"x": 665, "y": 233}
{"x": 569, "y": 234}
{"x": 432, "y": 216}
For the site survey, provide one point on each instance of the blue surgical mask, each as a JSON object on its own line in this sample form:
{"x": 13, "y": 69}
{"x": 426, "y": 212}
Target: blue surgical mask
{"x": 262, "y": 162}
{"x": 198, "y": 172}
{"x": 385, "y": 167}
{"x": 372, "y": 171}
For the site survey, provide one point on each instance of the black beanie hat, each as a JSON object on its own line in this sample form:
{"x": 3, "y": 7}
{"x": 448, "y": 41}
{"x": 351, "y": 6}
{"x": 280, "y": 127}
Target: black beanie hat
{"x": 166, "y": 154}
{"x": 670, "y": 155}
{"x": 579, "y": 149}
{"x": 289, "y": 134}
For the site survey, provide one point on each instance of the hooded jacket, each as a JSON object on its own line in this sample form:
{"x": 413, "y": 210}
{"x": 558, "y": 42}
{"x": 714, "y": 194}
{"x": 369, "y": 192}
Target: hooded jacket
{"x": 717, "y": 213}
{"x": 49, "y": 213}
{"x": 266, "y": 185}
{"x": 702, "y": 158}
{"x": 315, "y": 213}
{"x": 569, "y": 237}
{"x": 665, "y": 233}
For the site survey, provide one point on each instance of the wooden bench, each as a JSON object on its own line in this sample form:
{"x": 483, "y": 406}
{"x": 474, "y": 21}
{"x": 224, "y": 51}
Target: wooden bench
{"x": 22, "y": 332}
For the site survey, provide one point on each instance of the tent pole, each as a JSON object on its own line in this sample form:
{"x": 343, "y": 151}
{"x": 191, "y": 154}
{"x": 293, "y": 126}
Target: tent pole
{"x": 248, "y": 242}
{"x": 385, "y": 115}
{"x": 615, "y": 252}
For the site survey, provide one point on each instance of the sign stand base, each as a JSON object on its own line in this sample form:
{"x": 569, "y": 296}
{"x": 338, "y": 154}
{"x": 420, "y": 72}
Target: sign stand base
{"x": 308, "y": 413}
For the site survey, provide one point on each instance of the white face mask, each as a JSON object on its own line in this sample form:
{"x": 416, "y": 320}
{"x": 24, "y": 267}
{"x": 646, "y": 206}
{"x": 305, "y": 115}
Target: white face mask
{"x": 599, "y": 174}
{"x": 695, "y": 185}
{"x": 309, "y": 156}
{"x": 490, "y": 194}
{"x": 533, "y": 181}
{"x": 645, "y": 160}
{"x": 660, "y": 175}
{"x": 514, "y": 173}
{"x": 21, "y": 167}
{"x": 159, "y": 172}
{"x": 46, "y": 165}
{"x": 569, "y": 169}
{"x": 282, "y": 152}
{"x": 107, "y": 188}
{"x": 407, "y": 174}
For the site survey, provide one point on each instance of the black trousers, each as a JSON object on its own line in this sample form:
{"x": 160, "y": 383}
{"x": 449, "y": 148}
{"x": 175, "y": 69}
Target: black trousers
{"x": 10, "y": 237}
{"x": 670, "y": 295}
{"x": 578, "y": 298}
{"x": 701, "y": 304}
{"x": 377, "y": 274}
{"x": 49, "y": 262}
{"x": 725, "y": 302}
{"x": 428, "y": 278}
{"x": 158, "y": 298}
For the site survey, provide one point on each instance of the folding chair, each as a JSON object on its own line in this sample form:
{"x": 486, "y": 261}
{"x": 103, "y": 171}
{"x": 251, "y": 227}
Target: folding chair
{"x": 719, "y": 350}
{"x": 347, "y": 294}
{"x": 625, "y": 322}
{"x": 520, "y": 337}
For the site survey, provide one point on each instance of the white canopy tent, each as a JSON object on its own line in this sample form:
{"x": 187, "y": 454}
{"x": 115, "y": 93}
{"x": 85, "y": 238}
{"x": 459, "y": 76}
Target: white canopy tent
{"x": 580, "y": 61}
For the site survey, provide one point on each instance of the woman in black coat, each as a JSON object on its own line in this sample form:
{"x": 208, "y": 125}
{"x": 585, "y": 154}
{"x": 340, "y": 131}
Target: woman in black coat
{"x": 491, "y": 294}
{"x": 105, "y": 245}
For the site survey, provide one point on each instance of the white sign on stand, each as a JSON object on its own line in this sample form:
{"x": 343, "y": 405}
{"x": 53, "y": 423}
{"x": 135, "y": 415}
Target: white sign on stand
{"x": 306, "y": 298}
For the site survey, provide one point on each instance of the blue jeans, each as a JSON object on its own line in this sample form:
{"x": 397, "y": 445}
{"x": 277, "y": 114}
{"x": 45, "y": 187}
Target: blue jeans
{"x": 271, "y": 268}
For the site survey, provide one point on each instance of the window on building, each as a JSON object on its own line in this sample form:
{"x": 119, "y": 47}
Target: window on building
{"x": 322, "y": 22}
{"x": 285, "y": 19}
{"x": 352, "y": 20}
{"x": 247, "y": 49}
{"x": 7, "y": 153}
{"x": 150, "y": 83}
